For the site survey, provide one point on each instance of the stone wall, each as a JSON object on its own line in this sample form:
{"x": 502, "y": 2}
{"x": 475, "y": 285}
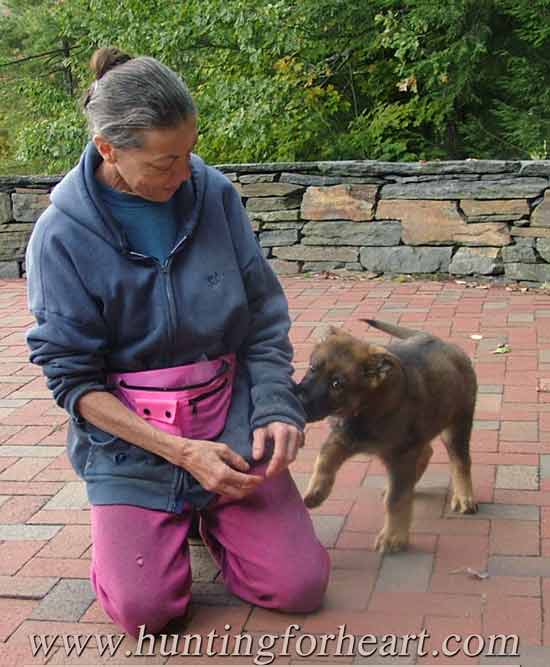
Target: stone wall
{"x": 22, "y": 200}
{"x": 466, "y": 218}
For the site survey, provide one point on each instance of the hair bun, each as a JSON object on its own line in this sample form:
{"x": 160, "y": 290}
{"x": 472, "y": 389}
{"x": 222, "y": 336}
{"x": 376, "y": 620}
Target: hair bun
{"x": 105, "y": 59}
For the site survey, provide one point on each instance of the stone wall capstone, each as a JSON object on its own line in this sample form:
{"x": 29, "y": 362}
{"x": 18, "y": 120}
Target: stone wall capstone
{"x": 461, "y": 218}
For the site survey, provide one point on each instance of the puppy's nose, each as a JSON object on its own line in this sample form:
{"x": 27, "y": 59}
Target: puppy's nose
{"x": 299, "y": 391}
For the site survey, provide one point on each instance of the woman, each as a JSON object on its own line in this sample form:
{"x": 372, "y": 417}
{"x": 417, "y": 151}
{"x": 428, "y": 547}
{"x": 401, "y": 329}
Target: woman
{"x": 163, "y": 332}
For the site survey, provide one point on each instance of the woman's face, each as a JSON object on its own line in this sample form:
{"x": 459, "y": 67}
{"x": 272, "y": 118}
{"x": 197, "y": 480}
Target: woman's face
{"x": 157, "y": 169}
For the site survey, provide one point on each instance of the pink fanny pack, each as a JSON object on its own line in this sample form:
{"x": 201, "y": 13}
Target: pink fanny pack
{"x": 190, "y": 401}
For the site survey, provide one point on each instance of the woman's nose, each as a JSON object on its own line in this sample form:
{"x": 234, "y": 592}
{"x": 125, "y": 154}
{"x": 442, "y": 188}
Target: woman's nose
{"x": 179, "y": 177}
{"x": 186, "y": 172}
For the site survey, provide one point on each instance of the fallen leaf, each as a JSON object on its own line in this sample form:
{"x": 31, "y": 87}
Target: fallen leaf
{"x": 326, "y": 275}
{"x": 502, "y": 349}
{"x": 544, "y": 385}
{"x": 475, "y": 574}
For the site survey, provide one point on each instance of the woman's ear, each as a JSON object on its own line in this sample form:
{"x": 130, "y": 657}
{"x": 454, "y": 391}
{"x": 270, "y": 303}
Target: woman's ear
{"x": 104, "y": 148}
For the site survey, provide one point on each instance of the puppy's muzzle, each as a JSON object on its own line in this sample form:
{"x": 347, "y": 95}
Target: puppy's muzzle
{"x": 313, "y": 399}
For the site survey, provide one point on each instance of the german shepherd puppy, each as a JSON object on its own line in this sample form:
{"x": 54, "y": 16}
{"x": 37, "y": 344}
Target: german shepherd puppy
{"x": 391, "y": 401}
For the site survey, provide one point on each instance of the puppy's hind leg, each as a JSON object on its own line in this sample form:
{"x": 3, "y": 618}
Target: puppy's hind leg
{"x": 331, "y": 457}
{"x": 457, "y": 441}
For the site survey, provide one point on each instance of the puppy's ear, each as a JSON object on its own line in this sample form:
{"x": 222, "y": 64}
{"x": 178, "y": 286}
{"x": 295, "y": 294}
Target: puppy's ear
{"x": 327, "y": 332}
{"x": 333, "y": 331}
{"x": 379, "y": 365}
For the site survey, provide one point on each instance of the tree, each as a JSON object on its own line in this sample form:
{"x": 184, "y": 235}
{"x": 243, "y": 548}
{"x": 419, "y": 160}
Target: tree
{"x": 289, "y": 80}
{"x": 37, "y": 90}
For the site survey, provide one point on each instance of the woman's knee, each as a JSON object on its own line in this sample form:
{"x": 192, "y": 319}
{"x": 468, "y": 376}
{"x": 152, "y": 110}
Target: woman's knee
{"x": 136, "y": 611}
{"x": 132, "y": 608}
{"x": 288, "y": 589}
{"x": 304, "y": 592}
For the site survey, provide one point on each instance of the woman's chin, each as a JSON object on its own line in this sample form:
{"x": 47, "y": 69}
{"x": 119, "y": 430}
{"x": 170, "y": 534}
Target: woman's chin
{"x": 159, "y": 197}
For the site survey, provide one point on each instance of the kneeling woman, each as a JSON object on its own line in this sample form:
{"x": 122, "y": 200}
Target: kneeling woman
{"x": 163, "y": 332}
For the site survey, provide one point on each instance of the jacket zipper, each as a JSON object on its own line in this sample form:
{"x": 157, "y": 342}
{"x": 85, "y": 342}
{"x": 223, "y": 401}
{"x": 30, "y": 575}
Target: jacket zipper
{"x": 168, "y": 291}
{"x": 193, "y": 401}
{"x": 186, "y": 387}
{"x": 147, "y": 258}
{"x": 165, "y": 270}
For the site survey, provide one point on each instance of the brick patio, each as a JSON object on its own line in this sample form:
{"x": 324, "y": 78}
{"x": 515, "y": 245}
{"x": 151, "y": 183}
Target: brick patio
{"x": 44, "y": 517}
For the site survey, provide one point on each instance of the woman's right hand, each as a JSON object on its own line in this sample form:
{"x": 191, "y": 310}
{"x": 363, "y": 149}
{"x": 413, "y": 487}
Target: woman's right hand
{"x": 217, "y": 467}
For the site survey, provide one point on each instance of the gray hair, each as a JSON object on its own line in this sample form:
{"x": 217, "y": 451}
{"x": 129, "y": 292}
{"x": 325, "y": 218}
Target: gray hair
{"x": 134, "y": 95}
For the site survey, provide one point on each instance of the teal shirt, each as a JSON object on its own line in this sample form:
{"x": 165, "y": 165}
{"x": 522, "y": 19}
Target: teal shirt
{"x": 151, "y": 227}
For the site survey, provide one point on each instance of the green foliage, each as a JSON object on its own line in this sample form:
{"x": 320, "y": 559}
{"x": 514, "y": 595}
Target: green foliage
{"x": 293, "y": 80}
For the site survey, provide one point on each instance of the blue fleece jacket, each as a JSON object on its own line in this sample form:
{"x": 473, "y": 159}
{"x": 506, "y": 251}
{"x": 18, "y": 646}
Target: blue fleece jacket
{"x": 101, "y": 307}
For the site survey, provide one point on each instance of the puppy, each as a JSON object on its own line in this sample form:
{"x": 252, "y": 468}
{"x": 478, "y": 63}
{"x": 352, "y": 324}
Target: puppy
{"x": 391, "y": 401}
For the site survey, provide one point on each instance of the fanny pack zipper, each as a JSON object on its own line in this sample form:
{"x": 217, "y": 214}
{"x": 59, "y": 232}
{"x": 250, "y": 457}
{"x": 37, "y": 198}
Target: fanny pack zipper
{"x": 193, "y": 401}
{"x": 221, "y": 371}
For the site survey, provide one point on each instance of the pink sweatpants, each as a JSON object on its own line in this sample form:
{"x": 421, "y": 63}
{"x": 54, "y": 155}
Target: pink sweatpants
{"x": 265, "y": 546}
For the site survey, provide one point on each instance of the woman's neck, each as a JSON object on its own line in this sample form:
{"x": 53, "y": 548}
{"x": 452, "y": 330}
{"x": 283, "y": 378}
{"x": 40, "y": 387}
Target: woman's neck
{"x": 109, "y": 176}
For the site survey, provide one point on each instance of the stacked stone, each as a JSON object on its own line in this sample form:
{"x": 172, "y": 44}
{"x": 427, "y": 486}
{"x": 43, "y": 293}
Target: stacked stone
{"x": 473, "y": 217}
{"x": 464, "y": 218}
{"x": 22, "y": 200}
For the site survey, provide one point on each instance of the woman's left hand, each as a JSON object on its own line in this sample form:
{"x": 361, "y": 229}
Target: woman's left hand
{"x": 286, "y": 440}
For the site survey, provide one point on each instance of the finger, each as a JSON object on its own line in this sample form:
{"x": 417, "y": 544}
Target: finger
{"x": 238, "y": 485}
{"x": 258, "y": 443}
{"x": 301, "y": 439}
{"x": 279, "y": 459}
{"x": 295, "y": 438}
{"x": 237, "y": 492}
{"x": 234, "y": 460}
{"x": 292, "y": 452}
{"x": 240, "y": 479}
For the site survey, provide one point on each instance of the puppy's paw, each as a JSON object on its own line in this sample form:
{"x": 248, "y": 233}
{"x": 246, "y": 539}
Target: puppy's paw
{"x": 312, "y": 500}
{"x": 314, "y": 497}
{"x": 318, "y": 491}
{"x": 391, "y": 543}
{"x": 463, "y": 504}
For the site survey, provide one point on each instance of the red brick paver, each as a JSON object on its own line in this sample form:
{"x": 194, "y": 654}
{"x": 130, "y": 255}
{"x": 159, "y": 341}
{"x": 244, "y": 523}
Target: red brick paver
{"x": 473, "y": 577}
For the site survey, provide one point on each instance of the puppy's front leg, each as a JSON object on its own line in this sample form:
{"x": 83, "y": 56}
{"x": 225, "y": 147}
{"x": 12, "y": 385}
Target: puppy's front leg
{"x": 334, "y": 452}
{"x": 399, "y": 501}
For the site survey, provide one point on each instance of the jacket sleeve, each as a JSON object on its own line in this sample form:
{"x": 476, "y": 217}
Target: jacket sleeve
{"x": 267, "y": 351}
{"x": 69, "y": 339}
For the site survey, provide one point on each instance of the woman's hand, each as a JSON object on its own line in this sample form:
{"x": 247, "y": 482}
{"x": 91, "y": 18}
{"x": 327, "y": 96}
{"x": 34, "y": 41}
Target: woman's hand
{"x": 217, "y": 467}
{"x": 286, "y": 440}
{"x": 213, "y": 464}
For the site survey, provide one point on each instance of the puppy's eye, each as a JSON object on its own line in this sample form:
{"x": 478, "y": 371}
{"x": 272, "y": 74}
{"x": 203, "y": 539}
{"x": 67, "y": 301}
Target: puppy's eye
{"x": 336, "y": 384}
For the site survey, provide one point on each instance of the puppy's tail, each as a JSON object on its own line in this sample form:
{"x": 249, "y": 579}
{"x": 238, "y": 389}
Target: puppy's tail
{"x": 393, "y": 329}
